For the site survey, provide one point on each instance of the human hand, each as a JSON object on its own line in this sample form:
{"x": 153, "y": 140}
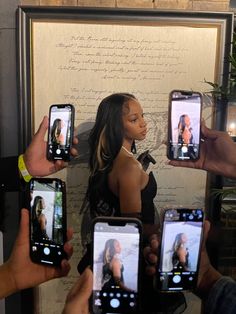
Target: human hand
{"x": 23, "y": 273}
{"x": 217, "y": 154}
{"x": 150, "y": 254}
{"x": 207, "y": 274}
{"x": 35, "y": 156}
{"x": 77, "y": 301}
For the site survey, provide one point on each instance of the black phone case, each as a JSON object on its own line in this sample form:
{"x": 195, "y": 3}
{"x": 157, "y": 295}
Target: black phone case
{"x": 67, "y": 157}
{"x": 117, "y": 221}
{"x": 169, "y": 146}
{"x": 38, "y": 258}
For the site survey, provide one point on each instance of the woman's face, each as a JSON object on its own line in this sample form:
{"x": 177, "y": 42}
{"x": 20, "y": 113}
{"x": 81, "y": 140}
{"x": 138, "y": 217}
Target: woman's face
{"x": 135, "y": 126}
{"x": 117, "y": 247}
{"x": 184, "y": 238}
{"x": 187, "y": 120}
{"x": 42, "y": 202}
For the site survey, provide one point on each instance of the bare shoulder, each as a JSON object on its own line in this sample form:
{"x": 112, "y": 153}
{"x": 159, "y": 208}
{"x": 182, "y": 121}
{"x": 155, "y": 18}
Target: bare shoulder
{"x": 115, "y": 262}
{"x": 128, "y": 166}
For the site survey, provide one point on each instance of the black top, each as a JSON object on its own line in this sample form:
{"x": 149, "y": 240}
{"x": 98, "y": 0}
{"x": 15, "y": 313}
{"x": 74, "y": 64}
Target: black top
{"x": 112, "y": 205}
{"x": 9, "y": 181}
{"x": 9, "y": 174}
{"x": 108, "y": 278}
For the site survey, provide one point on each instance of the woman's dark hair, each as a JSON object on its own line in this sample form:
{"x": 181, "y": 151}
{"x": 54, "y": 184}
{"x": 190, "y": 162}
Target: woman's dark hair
{"x": 178, "y": 241}
{"x": 109, "y": 251}
{"x": 56, "y": 130}
{"x": 37, "y": 201}
{"x": 182, "y": 124}
{"x": 105, "y": 141}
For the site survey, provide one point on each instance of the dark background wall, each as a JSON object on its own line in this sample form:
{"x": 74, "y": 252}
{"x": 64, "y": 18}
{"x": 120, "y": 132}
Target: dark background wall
{"x": 9, "y": 125}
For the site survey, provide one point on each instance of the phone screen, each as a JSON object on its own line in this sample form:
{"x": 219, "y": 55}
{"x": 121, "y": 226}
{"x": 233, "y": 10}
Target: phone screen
{"x": 184, "y": 125}
{"x": 116, "y": 249}
{"x": 60, "y": 133}
{"x": 180, "y": 248}
{"x": 47, "y": 220}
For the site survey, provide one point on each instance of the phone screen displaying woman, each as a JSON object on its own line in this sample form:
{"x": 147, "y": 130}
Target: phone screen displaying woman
{"x": 115, "y": 266}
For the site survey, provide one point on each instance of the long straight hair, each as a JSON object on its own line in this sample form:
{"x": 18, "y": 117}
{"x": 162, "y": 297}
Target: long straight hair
{"x": 105, "y": 141}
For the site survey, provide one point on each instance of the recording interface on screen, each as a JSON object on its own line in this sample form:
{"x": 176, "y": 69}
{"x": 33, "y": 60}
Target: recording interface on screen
{"x": 118, "y": 245}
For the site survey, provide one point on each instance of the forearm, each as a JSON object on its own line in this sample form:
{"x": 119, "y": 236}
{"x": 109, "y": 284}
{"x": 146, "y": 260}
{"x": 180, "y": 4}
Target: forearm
{"x": 222, "y": 297}
{"x": 7, "y": 283}
{"x": 209, "y": 278}
{"x": 121, "y": 284}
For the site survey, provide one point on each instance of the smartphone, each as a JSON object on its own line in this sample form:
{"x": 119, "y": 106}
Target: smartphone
{"x": 60, "y": 131}
{"x": 180, "y": 249}
{"x": 47, "y": 204}
{"x": 116, "y": 263}
{"x": 184, "y": 123}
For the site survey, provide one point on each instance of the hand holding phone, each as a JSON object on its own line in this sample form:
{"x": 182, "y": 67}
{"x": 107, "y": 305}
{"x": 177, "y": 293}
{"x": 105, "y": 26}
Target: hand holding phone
{"x": 180, "y": 249}
{"x": 116, "y": 262}
{"x": 60, "y": 132}
{"x": 184, "y": 125}
{"x": 47, "y": 205}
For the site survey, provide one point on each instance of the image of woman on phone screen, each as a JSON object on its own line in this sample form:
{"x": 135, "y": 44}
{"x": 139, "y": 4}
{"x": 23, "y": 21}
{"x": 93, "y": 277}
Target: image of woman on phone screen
{"x": 57, "y": 138}
{"x": 112, "y": 270}
{"x": 185, "y": 135}
{"x": 39, "y": 220}
{"x": 180, "y": 257}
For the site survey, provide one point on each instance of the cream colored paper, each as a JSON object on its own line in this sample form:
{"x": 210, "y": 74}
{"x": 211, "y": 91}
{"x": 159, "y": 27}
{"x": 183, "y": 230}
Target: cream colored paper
{"x": 82, "y": 63}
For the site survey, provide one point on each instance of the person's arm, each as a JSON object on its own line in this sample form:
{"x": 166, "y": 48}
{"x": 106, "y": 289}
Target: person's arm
{"x": 222, "y": 297}
{"x": 217, "y": 154}
{"x": 19, "y": 272}
{"x": 35, "y": 161}
{"x": 77, "y": 301}
{"x": 42, "y": 222}
{"x": 116, "y": 272}
{"x": 181, "y": 253}
{"x": 130, "y": 189}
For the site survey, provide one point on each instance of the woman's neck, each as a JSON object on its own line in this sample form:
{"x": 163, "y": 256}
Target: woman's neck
{"x": 128, "y": 151}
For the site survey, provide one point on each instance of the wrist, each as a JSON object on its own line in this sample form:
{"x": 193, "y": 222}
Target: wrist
{"x": 7, "y": 282}
{"x": 23, "y": 168}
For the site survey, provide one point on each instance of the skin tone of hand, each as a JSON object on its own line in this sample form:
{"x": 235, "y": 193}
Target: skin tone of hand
{"x": 35, "y": 155}
{"x": 77, "y": 301}
{"x": 217, "y": 154}
{"x": 19, "y": 272}
{"x": 207, "y": 275}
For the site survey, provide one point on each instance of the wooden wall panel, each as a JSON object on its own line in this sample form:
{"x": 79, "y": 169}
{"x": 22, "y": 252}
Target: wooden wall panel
{"x": 97, "y": 3}
{"x": 195, "y": 5}
{"x": 135, "y": 4}
{"x": 58, "y": 2}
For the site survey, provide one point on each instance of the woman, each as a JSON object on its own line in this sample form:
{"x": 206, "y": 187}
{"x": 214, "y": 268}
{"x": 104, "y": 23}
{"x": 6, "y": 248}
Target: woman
{"x": 117, "y": 184}
{"x": 180, "y": 252}
{"x": 185, "y": 135}
{"x": 112, "y": 271}
{"x": 56, "y": 135}
{"x": 39, "y": 220}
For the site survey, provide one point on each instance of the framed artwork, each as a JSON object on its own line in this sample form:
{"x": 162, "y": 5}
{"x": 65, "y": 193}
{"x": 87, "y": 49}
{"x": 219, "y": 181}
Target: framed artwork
{"x": 81, "y": 55}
